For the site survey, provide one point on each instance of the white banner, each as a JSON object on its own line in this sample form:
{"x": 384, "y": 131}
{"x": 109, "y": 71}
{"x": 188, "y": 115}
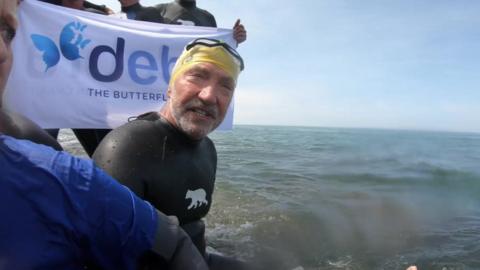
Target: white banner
{"x": 74, "y": 69}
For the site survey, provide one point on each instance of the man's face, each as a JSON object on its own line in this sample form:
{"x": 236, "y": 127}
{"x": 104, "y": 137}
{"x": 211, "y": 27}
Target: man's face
{"x": 8, "y": 26}
{"x": 199, "y": 99}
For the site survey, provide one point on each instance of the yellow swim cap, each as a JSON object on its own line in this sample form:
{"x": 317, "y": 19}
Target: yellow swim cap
{"x": 220, "y": 55}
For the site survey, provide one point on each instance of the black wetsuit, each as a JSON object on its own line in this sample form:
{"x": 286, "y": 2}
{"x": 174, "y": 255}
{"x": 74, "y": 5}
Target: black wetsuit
{"x": 165, "y": 167}
{"x": 185, "y": 12}
{"x": 90, "y": 138}
{"x": 20, "y": 127}
{"x": 141, "y": 13}
{"x": 160, "y": 164}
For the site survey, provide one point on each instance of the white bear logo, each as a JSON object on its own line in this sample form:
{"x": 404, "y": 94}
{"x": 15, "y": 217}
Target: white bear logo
{"x": 198, "y": 198}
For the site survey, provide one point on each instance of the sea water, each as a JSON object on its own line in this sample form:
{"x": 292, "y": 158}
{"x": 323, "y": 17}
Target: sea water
{"x": 332, "y": 198}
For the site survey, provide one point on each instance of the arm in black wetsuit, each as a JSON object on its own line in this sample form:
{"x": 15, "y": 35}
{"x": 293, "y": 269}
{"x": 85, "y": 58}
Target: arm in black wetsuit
{"x": 174, "y": 246}
{"x": 102, "y": 8}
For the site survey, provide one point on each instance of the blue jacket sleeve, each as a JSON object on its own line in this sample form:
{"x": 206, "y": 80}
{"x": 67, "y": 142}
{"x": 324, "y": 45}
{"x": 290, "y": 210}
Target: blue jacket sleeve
{"x": 84, "y": 208}
{"x": 69, "y": 212}
{"x": 117, "y": 225}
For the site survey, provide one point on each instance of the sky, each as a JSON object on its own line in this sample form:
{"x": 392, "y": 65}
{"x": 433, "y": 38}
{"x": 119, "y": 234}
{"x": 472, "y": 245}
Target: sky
{"x": 400, "y": 64}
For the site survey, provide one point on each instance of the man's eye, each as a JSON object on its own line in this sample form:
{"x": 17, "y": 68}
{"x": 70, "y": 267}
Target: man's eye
{"x": 228, "y": 86}
{"x": 197, "y": 75}
{"x": 7, "y": 33}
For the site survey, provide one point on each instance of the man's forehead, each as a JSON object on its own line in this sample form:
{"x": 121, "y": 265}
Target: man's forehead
{"x": 210, "y": 68}
{"x": 8, "y": 10}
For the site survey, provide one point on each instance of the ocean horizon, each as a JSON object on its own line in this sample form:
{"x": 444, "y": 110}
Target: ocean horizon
{"x": 358, "y": 128}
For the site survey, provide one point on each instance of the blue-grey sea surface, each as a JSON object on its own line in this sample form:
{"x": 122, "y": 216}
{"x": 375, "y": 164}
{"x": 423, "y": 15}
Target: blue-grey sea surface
{"x": 332, "y": 198}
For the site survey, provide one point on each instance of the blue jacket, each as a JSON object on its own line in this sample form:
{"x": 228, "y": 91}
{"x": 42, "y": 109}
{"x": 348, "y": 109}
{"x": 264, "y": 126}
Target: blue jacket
{"x": 61, "y": 212}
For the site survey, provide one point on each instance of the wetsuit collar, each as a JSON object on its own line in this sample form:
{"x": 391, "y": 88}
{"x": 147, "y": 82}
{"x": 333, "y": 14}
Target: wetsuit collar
{"x": 177, "y": 131}
{"x": 187, "y": 4}
{"x": 156, "y": 116}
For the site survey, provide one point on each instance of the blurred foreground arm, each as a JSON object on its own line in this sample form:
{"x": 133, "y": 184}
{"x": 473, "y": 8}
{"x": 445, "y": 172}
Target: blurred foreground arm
{"x": 92, "y": 219}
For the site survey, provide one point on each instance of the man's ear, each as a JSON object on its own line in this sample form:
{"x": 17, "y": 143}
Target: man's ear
{"x": 169, "y": 91}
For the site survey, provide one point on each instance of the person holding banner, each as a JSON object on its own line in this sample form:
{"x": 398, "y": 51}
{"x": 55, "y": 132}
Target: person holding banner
{"x": 62, "y": 212}
{"x": 186, "y": 12}
{"x": 166, "y": 157}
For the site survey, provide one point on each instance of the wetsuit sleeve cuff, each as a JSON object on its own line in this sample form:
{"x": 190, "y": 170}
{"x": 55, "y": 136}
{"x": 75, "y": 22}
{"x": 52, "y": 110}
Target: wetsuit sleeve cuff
{"x": 166, "y": 237}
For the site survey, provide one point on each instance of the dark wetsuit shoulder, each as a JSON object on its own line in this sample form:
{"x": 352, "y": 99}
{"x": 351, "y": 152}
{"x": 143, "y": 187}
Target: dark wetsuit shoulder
{"x": 149, "y": 14}
{"x": 208, "y": 17}
{"x": 141, "y": 13}
{"x": 20, "y": 127}
{"x": 161, "y": 165}
{"x": 174, "y": 13}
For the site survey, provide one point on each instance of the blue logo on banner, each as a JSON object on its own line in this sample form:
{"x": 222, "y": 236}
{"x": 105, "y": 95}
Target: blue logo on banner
{"x": 142, "y": 66}
{"x": 71, "y": 42}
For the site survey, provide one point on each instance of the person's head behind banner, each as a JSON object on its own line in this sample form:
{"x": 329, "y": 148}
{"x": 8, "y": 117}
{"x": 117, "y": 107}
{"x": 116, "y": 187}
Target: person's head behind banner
{"x": 201, "y": 86}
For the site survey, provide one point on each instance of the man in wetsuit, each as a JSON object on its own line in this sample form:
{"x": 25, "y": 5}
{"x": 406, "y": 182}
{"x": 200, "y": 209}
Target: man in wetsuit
{"x": 183, "y": 12}
{"x": 186, "y": 12}
{"x": 166, "y": 157}
{"x": 60, "y": 212}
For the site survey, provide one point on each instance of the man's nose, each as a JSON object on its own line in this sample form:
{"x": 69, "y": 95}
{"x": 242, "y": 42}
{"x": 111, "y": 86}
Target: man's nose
{"x": 208, "y": 94}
